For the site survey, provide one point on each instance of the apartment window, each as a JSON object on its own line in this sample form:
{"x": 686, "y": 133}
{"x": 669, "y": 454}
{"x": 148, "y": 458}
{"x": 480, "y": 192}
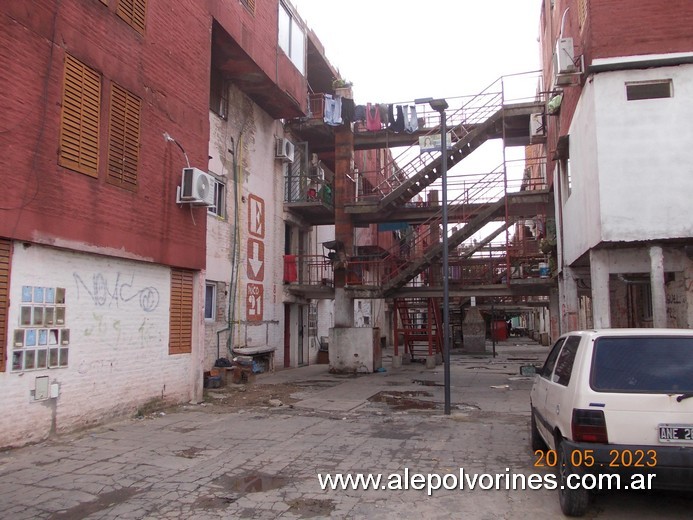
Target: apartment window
{"x": 249, "y": 5}
{"x": 210, "y": 301}
{"x": 292, "y": 39}
{"x": 181, "y": 312}
{"x": 134, "y": 13}
{"x": 42, "y": 339}
{"x": 219, "y": 94}
{"x": 124, "y": 138}
{"x": 313, "y": 319}
{"x": 80, "y": 120}
{"x": 219, "y": 200}
{"x": 649, "y": 90}
{"x": 5, "y": 255}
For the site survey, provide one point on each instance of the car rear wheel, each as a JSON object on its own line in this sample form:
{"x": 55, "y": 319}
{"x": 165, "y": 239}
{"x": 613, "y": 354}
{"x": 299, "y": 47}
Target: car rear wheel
{"x": 535, "y": 437}
{"x": 574, "y": 502}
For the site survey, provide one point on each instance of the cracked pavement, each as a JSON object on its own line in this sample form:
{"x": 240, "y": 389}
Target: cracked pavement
{"x": 238, "y": 456}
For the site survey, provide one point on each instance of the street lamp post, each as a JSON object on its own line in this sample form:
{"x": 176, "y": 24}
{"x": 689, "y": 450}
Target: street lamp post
{"x": 440, "y": 105}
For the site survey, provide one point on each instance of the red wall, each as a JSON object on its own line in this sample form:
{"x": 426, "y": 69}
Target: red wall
{"x": 628, "y": 28}
{"x": 168, "y": 68}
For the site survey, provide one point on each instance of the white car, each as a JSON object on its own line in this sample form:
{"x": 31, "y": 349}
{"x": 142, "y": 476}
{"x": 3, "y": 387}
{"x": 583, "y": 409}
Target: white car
{"x": 615, "y": 404}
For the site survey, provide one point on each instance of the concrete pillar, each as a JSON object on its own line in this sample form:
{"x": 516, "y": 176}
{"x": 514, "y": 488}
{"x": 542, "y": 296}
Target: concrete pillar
{"x": 554, "y": 314}
{"x": 397, "y": 361}
{"x": 474, "y": 331}
{"x": 430, "y": 361}
{"x": 343, "y": 309}
{"x": 569, "y": 300}
{"x": 601, "y": 299}
{"x": 659, "y": 301}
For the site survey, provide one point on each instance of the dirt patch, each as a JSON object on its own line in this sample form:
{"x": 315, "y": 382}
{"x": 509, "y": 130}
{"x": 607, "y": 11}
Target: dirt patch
{"x": 102, "y": 501}
{"x": 250, "y": 396}
{"x": 404, "y": 400}
{"x": 311, "y": 507}
{"x": 251, "y": 483}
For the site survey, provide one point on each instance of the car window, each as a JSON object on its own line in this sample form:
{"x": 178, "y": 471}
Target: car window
{"x": 551, "y": 359}
{"x": 643, "y": 365}
{"x": 564, "y": 365}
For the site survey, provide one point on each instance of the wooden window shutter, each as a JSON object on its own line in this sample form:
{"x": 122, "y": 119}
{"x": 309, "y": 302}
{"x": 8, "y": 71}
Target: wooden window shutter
{"x": 5, "y": 253}
{"x": 181, "y": 317}
{"x": 134, "y": 13}
{"x": 80, "y": 120}
{"x": 124, "y": 138}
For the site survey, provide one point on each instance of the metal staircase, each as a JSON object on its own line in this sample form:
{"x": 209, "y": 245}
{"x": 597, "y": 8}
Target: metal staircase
{"x": 431, "y": 253}
{"x": 420, "y": 326}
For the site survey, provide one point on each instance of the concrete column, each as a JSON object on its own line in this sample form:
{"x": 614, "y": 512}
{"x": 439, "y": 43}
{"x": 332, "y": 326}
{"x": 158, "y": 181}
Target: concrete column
{"x": 554, "y": 314}
{"x": 601, "y": 299}
{"x": 659, "y": 301}
{"x": 569, "y": 300}
{"x": 344, "y": 192}
{"x": 343, "y": 309}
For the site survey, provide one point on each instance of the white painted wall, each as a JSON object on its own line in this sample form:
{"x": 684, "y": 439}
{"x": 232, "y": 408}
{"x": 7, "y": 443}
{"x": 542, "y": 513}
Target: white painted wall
{"x": 117, "y": 312}
{"x": 581, "y": 222}
{"x": 635, "y": 184}
{"x": 645, "y": 156}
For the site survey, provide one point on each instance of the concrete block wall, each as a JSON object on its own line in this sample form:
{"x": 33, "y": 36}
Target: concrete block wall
{"x": 117, "y": 312}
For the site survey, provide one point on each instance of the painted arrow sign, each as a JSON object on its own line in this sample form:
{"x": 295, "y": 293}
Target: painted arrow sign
{"x": 256, "y": 260}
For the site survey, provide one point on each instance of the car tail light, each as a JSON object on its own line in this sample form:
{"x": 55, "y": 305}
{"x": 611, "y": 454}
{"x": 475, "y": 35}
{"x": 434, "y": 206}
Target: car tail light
{"x": 589, "y": 426}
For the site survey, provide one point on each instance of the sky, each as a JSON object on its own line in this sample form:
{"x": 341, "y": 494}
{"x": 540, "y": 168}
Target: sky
{"x": 399, "y": 50}
{"x": 395, "y": 51}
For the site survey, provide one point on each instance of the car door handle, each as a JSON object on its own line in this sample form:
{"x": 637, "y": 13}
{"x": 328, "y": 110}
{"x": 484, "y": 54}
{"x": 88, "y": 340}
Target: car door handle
{"x": 558, "y": 409}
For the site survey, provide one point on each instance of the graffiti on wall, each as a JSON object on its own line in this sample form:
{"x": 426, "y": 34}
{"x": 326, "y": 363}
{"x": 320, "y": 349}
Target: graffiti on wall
{"x": 122, "y": 309}
{"x": 105, "y": 292}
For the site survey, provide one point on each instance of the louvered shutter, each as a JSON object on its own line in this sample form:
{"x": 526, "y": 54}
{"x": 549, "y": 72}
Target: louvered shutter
{"x": 79, "y": 130}
{"x": 134, "y": 13}
{"x": 5, "y": 251}
{"x": 180, "y": 320}
{"x": 124, "y": 138}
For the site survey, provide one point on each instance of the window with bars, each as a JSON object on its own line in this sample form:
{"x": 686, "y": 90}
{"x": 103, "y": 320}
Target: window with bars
{"x": 5, "y": 254}
{"x": 80, "y": 118}
{"x": 181, "y": 313}
{"x": 124, "y": 138}
{"x": 133, "y": 12}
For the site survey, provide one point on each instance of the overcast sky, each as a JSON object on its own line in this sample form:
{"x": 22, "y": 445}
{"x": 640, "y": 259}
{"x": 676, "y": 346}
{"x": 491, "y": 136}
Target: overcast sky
{"x": 399, "y": 50}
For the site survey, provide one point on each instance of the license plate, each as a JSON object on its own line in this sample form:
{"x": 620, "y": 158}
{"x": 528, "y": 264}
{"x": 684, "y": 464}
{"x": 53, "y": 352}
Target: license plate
{"x": 675, "y": 432}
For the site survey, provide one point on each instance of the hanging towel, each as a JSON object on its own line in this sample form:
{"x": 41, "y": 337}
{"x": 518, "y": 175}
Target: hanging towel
{"x": 411, "y": 123}
{"x": 397, "y": 124}
{"x": 348, "y": 110}
{"x": 290, "y": 269}
{"x": 372, "y": 117}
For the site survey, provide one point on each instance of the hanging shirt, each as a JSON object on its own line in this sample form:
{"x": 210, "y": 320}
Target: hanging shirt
{"x": 411, "y": 122}
{"x": 360, "y": 113}
{"x": 372, "y": 117}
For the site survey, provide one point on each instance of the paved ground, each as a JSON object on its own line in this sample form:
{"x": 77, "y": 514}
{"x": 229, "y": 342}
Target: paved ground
{"x": 240, "y": 455}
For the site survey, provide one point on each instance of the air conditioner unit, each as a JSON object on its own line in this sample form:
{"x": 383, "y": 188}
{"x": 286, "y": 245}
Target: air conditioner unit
{"x": 564, "y": 58}
{"x": 197, "y": 187}
{"x": 284, "y": 150}
{"x": 536, "y": 126}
